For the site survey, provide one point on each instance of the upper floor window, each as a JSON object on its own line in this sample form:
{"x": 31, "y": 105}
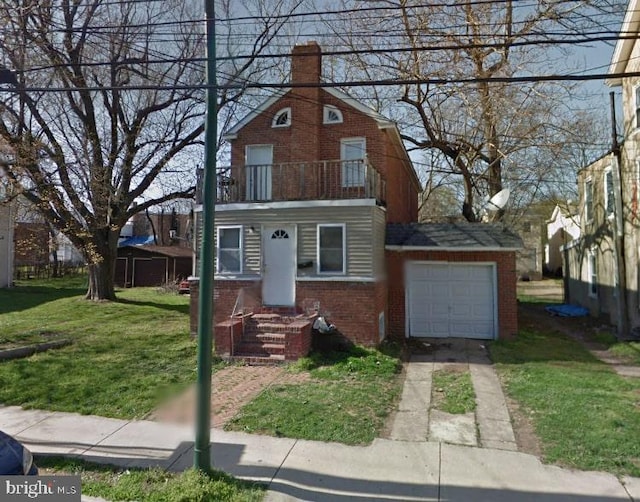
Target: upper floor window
{"x": 229, "y": 250}
{"x": 282, "y": 118}
{"x": 588, "y": 199}
{"x": 609, "y": 199}
{"x": 331, "y": 115}
{"x": 352, "y": 154}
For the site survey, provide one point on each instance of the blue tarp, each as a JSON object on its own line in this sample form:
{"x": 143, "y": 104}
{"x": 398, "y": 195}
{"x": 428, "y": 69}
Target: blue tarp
{"x": 566, "y": 310}
{"x": 138, "y": 240}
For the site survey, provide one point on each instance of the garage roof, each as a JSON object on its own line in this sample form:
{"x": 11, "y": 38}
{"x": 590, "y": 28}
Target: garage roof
{"x": 452, "y": 236}
{"x": 170, "y": 251}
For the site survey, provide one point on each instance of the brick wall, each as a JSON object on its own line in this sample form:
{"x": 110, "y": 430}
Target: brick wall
{"x": 506, "y": 276}
{"x": 309, "y": 140}
{"x": 352, "y": 306}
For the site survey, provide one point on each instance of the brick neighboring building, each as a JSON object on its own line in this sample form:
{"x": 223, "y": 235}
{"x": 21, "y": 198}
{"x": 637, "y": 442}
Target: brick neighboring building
{"x": 301, "y": 220}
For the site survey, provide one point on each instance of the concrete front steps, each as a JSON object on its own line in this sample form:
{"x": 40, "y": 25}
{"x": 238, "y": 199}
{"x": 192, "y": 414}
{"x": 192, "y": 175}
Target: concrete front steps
{"x": 264, "y": 338}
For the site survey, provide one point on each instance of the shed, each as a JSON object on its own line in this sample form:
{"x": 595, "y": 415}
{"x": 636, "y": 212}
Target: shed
{"x": 452, "y": 280}
{"x": 152, "y": 265}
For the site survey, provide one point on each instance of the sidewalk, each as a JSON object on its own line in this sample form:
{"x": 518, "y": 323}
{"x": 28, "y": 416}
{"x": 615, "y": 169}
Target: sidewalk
{"x": 308, "y": 470}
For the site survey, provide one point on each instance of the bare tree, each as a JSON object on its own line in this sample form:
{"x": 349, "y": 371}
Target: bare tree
{"x": 105, "y": 117}
{"x": 485, "y": 132}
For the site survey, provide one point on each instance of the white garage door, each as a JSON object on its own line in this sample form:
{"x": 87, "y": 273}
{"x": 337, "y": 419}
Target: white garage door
{"x": 451, "y": 300}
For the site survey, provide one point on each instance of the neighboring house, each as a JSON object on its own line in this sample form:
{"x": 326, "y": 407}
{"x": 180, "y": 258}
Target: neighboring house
{"x": 303, "y": 214}
{"x": 602, "y": 266}
{"x": 529, "y": 259}
{"x": 591, "y": 272}
{"x": 562, "y": 227}
{"x": 152, "y": 265}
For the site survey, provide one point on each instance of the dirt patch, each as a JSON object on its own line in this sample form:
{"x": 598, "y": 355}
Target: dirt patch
{"x": 523, "y": 429}
{"x": 231, "y": 389}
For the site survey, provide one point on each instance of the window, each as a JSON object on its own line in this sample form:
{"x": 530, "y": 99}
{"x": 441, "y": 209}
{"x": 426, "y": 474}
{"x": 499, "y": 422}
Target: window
{"x": 593, "y": 274}
{"x": 588, "y": 200}
{"x": 331, "y": 249}
{"x": 637, "y": 96}
{"x": 229, "y": 250}
{"x": 282, "y": 118}
{"x": 609, "y": 199}
{"x": 331, "y": 115}
{"x": 352, "y": 154}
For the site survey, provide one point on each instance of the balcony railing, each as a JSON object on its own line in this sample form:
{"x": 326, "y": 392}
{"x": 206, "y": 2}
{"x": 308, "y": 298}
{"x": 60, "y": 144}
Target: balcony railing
{"x": 320, "y": 180}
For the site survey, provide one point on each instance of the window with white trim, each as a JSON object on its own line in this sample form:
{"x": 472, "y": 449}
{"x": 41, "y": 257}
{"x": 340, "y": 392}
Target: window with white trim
{"x": 588, "y": 199}
{"x": 282, "y": 118}
{"x": 353, "y": 152}
{"x": 229, "y": 256}
{"x": 593, "y": 273}
{"x": 609, "y": 197}
{"x": 332, "y": 256}
{"x": 331, "y": 115}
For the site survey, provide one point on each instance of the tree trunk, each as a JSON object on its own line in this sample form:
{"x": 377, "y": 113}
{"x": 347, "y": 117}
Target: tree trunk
{"x": 102, "y": 266}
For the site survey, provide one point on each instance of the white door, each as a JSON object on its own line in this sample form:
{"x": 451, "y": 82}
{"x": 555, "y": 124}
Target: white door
{"x": 279, "y": 265}
{"x": 451, "y": 300}
{"x": 258, "y": 160}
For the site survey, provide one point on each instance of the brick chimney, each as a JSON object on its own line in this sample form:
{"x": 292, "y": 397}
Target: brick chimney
{"x": 306, "y": 113}
{"x": 306, "y": 63}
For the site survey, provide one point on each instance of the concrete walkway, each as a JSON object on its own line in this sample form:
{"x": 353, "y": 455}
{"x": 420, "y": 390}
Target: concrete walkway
{"x": 489, "y": 426}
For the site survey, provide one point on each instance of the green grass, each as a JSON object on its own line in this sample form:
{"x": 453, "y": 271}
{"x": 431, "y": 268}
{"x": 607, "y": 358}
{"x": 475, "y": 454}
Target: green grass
{"x": 126, "y": 356}
{"x": 629, "y": 351}
{"x": 454, "y": 391}
{"x": 347, "y": 400}
{"x": 152, "y": 485}
{"x": 584, "y": 415}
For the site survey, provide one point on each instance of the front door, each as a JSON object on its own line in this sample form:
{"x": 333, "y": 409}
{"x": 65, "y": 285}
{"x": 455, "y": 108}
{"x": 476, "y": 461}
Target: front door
{"x": 279, "y": 265}
{"x": 258, "y": 170}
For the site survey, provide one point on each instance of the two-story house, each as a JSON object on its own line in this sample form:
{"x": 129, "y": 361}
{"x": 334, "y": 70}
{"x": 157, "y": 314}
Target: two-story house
{"x": 602, "y": 266}
{"x": 318, "y": 188}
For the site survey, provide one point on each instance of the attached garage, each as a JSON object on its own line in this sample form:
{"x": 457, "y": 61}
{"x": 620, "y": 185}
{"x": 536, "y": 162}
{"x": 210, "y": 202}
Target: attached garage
{"x": 451, "y": 299}
{"x": 451, "y": 280}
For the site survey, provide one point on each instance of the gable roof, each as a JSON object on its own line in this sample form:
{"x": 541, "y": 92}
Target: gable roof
{"x": 382, "y": 121}
{"x": 451, "y": 236}
{"x": 624, "y": 47}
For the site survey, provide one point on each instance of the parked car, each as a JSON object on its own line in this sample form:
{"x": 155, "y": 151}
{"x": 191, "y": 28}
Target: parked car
{"x": 15, "y": 459}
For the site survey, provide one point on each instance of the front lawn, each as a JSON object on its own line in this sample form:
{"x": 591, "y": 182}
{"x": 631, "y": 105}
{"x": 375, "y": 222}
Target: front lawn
{"x": 584, "y": 414}
{"x": 152, "y": 485}
{"x": 125, "y": 358}
{"x": 347, "y": 400}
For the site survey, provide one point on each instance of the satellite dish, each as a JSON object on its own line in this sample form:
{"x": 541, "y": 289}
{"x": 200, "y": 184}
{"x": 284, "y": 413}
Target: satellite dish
{"x": 499, "y": 200}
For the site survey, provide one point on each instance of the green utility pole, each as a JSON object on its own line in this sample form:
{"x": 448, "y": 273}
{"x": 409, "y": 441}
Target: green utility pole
{"x": 202, "y": 450}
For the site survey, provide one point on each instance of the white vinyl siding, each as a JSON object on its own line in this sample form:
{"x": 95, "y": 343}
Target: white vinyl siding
{"x": 362, "y": 243}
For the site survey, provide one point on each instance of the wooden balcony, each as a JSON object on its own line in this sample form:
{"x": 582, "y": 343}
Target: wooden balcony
{"x": 320, "y": 180}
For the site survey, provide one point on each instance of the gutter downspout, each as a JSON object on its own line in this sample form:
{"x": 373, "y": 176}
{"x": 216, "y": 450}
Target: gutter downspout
{"x": 618, "y": 230}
